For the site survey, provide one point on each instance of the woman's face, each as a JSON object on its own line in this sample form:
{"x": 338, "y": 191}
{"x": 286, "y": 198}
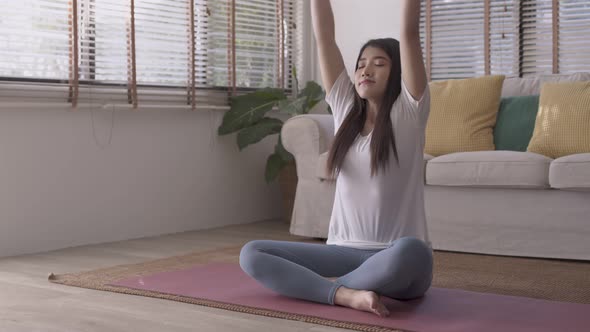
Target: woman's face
{"x": 373, "y": 71}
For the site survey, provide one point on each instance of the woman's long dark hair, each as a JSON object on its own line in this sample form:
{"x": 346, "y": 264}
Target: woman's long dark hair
{"x": 382, "y": 137}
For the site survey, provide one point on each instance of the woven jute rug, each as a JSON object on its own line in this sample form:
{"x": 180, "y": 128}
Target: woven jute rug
{"x": 557, "y": 280}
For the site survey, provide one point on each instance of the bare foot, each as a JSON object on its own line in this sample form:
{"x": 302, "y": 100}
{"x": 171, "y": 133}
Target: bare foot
{"x": 360, "y": 300}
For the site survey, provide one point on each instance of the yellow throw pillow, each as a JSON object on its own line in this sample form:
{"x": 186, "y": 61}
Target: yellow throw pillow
{"x": 463, "y": 114}
{"x": 562, "y": 126}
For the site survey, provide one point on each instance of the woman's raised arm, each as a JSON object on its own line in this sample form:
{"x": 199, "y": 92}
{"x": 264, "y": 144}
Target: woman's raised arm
{"x": 331, "y": 62}
{"x": 413, "y": 71}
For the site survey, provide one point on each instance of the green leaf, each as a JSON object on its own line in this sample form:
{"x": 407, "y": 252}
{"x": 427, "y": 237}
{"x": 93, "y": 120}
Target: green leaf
{"x": 294, "y": 107}
{"x": 294, "y": 73}
{"x": 248, "y": 109}
{"x": 274, "y": 165}
{"x": 284, "y": 154}
{"x": 255, "y": 133}
{"x": 313, "y": 94}
{"x": 276, "y": 161}
{"x": 312, "y": 91}
{"x": 305, "y": 101}
{"x": 311, "y": 105}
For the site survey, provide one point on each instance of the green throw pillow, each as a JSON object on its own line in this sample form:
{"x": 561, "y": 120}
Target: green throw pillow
{"x": 515, "y": 122}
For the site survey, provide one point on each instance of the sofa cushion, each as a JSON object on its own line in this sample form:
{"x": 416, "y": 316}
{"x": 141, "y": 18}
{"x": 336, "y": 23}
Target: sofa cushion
{"x": 462, "y": 115}
{"x": 555, "y": 78}
{"x": 531, "y": 85}
{"x": 571, "y": 172}
{"x": 515, "y": 122}
{"x": 521, "y": 86}
{"x": 501, "y": 169}
{"x": 563, "y": 120}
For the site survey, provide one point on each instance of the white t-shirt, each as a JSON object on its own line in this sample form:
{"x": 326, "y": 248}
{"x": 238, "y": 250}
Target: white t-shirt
{"x": 371, "y": 212}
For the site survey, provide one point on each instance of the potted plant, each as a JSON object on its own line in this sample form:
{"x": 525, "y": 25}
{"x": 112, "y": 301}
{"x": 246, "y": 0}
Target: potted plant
{"x": 247, "y": 117}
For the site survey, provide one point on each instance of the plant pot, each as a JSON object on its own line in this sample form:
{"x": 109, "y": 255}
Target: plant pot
{"x": 288, "y": 185}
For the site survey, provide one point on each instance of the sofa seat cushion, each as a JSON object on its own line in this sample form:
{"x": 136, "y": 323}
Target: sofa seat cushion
{"x": 571, "y": 172}
{"x": 501, "y": 169}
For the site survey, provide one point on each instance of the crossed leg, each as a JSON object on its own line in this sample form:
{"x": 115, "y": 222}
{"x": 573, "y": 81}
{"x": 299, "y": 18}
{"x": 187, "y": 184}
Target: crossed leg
{"x": 403, "y": 271}
{"x": 299, "y": 270}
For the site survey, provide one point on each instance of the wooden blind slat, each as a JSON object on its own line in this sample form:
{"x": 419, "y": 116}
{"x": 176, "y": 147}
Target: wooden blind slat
{"x": 73, "y": 95}
{"x": 132, "y": 62}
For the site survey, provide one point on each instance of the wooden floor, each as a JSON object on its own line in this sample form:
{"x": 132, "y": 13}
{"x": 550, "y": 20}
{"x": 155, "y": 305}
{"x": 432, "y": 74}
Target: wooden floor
{"x": 28, "y": 302}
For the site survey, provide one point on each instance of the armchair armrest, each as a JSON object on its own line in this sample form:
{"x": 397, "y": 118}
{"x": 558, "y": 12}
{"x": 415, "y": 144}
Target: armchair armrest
{"x": 306, "y": 137}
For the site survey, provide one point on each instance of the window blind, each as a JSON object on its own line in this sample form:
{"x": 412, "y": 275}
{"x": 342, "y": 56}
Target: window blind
{"x": 463, "y": 38}
{"x": 185, "y": 53}
{"x": 104, "y": 52}
{"x": 34, "y": 47}
{"x": 257, "y": 37}
{"x": 426, "y": 34}
{"x": 266, "y": 49}
{"x": 504, "y": 38}
{"x": 537, "y": 37}
{"x": 163, "y": 51}
{"x": 574, "y": 30}
{"x": 294, "y": 59}
{"x": 457, "y": 44}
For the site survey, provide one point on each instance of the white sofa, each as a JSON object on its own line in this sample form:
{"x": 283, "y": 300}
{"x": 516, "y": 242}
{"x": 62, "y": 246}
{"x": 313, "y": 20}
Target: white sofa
{"x": 491, "y": 202}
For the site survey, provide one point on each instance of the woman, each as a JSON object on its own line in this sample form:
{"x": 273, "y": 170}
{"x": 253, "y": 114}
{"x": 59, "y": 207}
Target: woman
{"x": 378, "y": 242}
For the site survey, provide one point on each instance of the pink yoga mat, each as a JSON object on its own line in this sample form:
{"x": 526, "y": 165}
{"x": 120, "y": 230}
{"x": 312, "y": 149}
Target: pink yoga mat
{"x": 439, "y": 310}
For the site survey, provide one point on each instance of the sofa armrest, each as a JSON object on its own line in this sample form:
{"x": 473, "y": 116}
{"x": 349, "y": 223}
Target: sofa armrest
{"x": 306, "y": 137}
{"x": 308, "y": 133}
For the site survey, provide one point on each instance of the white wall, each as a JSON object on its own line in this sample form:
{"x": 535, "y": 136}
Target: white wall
{"x": 163, "y": 172}
{"x": 358, "y": 21}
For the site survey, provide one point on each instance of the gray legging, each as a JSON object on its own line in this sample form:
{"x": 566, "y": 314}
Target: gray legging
{"x": 402, "y": 271}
